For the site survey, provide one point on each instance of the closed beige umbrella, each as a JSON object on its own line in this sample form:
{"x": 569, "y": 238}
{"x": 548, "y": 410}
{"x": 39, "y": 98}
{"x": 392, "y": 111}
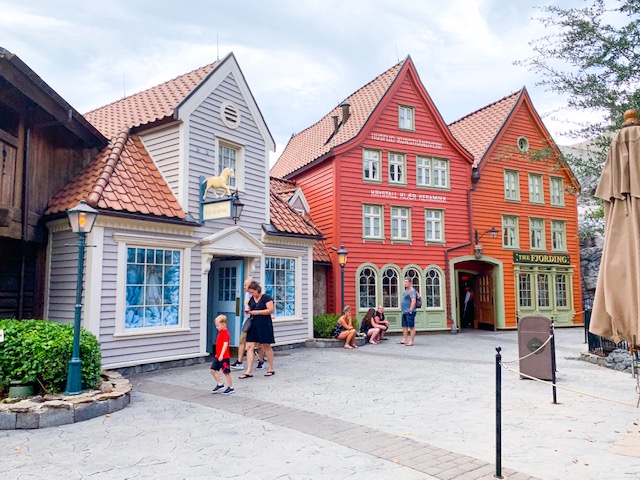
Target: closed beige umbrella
{"x": 616, "y": 306}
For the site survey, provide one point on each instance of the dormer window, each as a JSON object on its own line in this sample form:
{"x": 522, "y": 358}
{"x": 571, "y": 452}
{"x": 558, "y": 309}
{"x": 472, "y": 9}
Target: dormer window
{"x": 406, "y": 118}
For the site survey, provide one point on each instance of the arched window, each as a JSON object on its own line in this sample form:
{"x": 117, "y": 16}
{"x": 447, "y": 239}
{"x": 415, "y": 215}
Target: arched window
{"x": 432, "y": 296}
{"x": 367, "y": 288}
{"x": 390, "y": 288}
{"x": 414, "y": 276}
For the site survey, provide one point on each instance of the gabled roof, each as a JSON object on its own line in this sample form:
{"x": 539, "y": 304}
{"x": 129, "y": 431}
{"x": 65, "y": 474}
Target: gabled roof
{"x": 318, "y": 140}
{"x": 477, "y": 131}
{"x": 149, "y": 105}
{"x": 283, "y": 188}
{"x": 284, "y": 219}
{"x": 122, "y": 178}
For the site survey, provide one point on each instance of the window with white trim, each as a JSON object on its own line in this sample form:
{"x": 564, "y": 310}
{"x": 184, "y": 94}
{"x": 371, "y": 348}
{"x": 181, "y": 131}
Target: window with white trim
{"x": 367, "y": 288}
{"x": 543, "y": 288}
{"x": 406, "y": 118}
{"x": 544, "y": 300}
{"x": 511, "y": 185}
{"x": 371, "y": 165}
{"x": 400, "y": 223}
{"x": 524, "y": 290}
{"x": 228, "y": 157}
{"x": 510, "y": 236}
{"x": 558, "y": 236}
{"x": 536, "y": 232}
{"x": 556, "y": 187}
{"x": 280, "y": 284}
{"x": 536, "y": 194}
{"x": 397, "y": 168}
{"x": 372, "y": 221}
{"x": 561, "y": 290}
{"x": 390, "y": 285}
{"x": 432, "y": 172}
{"x": 434, "y": 225}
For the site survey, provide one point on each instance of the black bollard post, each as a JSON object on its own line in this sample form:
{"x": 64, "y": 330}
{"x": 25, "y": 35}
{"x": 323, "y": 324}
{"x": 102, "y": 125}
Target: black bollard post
{"x": 553, "y": 362}
{"x": 498, "y": 413}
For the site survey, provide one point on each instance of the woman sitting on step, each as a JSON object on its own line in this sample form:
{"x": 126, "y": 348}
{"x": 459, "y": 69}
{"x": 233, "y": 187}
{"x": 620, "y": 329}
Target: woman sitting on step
{"x": 344, "y": 329}
{"x": 369, "y": 327}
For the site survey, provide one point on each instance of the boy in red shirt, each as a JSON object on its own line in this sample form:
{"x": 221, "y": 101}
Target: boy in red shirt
{"x": 223, "y": 355}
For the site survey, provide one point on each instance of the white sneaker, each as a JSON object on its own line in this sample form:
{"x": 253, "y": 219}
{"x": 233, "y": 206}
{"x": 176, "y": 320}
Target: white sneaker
{"x": 237, "y": 365}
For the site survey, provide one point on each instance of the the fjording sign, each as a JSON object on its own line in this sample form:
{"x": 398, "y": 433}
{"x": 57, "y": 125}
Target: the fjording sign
{"x": 544, "y": 258}
{"x": 216, "y": 209}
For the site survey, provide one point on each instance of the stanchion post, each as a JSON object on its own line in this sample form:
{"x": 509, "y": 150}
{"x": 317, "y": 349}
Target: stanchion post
{"x": 498, "y": 413}
{"x": 553, "y": 362}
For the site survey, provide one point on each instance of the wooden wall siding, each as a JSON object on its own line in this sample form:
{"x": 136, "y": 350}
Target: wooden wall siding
{"x": 63, "y": 277}
{"x": 205, "y": 125}
{"x": 489, "y": 205}
{"x": 163, "y": 146}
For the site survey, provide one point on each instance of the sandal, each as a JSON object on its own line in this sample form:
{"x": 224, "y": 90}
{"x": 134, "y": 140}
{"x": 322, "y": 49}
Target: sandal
{"x": 270, "y": 374}
{"x": 245, "y": 375}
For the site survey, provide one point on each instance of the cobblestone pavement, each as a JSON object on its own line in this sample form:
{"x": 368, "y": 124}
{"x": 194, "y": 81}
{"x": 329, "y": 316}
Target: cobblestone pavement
{"x": 380, "y": 412}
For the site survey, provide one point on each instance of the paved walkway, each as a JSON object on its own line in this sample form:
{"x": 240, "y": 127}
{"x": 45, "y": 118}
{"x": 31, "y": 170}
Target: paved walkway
{"x": 386, "y": 411}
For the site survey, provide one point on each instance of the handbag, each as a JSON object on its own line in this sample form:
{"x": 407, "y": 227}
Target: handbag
{"x": 247, "y": 324}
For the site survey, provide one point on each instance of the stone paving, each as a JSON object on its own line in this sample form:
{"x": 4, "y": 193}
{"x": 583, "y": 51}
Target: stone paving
{"x": 385, "y": 411}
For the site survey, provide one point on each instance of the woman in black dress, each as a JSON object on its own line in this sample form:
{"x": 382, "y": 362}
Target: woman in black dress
{"x": 261, "y": 329}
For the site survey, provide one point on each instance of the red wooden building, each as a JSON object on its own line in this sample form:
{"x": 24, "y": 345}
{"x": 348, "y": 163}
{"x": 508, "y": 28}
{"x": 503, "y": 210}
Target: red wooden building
{"x": 384, "y": 176}
{"x": 526, "y": 193}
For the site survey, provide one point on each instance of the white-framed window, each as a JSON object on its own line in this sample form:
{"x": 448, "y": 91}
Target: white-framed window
{"x": 536, "y": 194}
{"x": 390, "y": 287}
{"x": 556, "y": 188}
{"x": 562, "y": 282}
{"x": 371, "y": 164}
{"x": 536, "y": 234}
{"x": 152, "y": 284}
{"x": 432, "y": 297}
{"x": 510, "y": 234}
{"x": 400, "y": 223}
{"x": 558, "y": 236}
{"x": 367, "y": 284}
{"x": 525, "y": 290}
{"x": 397, "y": 168}
{"x": 230, "y": 156}
{"x": 280, "y": 275}
{"x": 406, "y": 119}
{"x": 511, "y": 185}
{"x": 434, "y": 225}
{"x": 544, "y": 290}
{"x": 432, "y": 172}
{"x": 372, "y": 221}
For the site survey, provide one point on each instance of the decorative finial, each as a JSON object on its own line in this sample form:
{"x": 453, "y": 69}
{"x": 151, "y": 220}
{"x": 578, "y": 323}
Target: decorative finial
{"x": 631, "y": 118}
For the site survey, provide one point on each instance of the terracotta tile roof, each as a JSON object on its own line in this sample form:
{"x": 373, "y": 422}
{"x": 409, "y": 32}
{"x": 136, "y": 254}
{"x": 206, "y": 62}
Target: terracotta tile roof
{"x": 284, "y": 188}
{"x": 148, "y": 106}
{"x": 321, "y": 253}
{"x": 122, "y": 178}
{"x": 317, "y": 140}
{"x": 477, "y": 130}
{"x": 284, "y": 219}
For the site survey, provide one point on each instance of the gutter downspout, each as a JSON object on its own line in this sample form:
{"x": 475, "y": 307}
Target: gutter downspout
{"x": 475, "y": 177}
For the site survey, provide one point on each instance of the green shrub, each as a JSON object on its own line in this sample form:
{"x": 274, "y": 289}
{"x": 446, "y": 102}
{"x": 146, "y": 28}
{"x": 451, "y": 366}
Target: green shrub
{"x": 324, "y": 324}
{"x": 40, "y": 350}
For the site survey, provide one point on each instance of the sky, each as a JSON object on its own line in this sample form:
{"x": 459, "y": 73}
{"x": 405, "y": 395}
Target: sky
{"x": 300, "y": 58}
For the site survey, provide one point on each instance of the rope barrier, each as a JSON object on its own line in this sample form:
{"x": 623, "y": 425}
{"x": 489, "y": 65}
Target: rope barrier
{"x": 578, "y": 392}
{"x": 532, "y": 353}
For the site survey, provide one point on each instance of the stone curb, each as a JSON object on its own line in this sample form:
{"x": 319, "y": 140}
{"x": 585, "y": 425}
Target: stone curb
{"x": 38, "y": 412}
{"x": 330, "y": 342}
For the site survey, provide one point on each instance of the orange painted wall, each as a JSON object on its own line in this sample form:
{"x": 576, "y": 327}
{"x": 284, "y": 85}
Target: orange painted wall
{"x": 489, "y": 205}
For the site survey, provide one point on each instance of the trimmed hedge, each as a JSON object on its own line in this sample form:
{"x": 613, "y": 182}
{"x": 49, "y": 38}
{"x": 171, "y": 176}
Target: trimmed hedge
{"x": 324, "y": 324}
{"x": 40, "y": 350}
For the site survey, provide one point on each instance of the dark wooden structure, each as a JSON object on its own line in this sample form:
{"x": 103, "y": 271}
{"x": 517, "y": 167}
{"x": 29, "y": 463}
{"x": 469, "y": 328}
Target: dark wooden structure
{"x": 44, "y": 143}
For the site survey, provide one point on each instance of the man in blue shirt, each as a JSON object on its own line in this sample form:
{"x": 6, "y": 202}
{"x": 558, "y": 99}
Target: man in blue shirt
{"x": 408, "y": 305}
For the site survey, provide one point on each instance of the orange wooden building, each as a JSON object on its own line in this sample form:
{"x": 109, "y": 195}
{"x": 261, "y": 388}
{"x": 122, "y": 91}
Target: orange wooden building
{"x": 384, "y": 176}
{"x": 532, "y": 267}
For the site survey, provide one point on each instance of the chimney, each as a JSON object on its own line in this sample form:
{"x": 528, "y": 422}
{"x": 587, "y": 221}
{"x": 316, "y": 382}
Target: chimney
{"x": 336, "y": 124}
{"x": 345, "y": 112}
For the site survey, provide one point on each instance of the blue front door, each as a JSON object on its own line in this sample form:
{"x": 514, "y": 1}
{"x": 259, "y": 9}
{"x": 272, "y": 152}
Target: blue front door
{"x": 226, "y": 294}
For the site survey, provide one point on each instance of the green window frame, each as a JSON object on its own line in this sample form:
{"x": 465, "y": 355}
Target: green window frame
{"x": 537, "y": 234}
{"x": 512, "y": 185}
{"x": 372, "y": 221}
{"x": 371, "y": 165}
{"x": 558, "y": 235}
{"x": 536, "y": 189}
{"x": 556, "y": 191}
{"x": 397, "y": 168}
{"x": 510, "y": 231}
{"x": 434, "y": 225}
{"x": 432, "y": 172}
{"x": 406, "y": 118}
{"x": 400, "y": 223}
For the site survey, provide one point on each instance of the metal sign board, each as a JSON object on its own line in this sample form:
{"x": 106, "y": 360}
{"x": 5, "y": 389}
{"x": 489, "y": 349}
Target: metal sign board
{"x": 544, "y": 258}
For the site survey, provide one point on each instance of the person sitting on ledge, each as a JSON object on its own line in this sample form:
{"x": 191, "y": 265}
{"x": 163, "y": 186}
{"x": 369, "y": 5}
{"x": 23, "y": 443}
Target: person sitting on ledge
{"x": 344, "y": 329}
{"x": 369, "y": 327}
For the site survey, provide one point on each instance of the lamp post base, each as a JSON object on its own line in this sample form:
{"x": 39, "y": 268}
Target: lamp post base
{"x": 74, "y": 377}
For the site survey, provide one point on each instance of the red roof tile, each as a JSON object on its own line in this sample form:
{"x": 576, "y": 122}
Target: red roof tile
{"x": 477, "y": 130}
{"x": 320, "y": 252}
{"x": 284, "y": 219}
{"x": 317, "y": 140}
{"x": 109, "y": 182}
{"x": 148, "y": 106}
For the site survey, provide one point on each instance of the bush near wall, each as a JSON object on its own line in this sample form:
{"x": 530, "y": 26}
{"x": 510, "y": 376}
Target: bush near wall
{"x": 324, "y": 324}
{"x": 39, "y": 351}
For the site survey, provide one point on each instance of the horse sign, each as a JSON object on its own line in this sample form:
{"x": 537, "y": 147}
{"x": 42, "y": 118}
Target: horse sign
{"x": 219, "y": 182}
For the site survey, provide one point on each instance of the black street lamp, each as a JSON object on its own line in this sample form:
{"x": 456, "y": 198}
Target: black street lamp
{"x": 81, "y": 219}
{"x": 342, "y": 260}
{"x": 236, "y": 207}
{"x": 477, "y": 249}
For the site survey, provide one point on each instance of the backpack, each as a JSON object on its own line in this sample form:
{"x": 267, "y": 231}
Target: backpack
{"x": 418, "y": 300}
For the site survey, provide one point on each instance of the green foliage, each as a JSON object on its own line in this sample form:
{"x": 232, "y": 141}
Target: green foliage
{"x": 39, "y": 350}
{"x": 324, "y": 324}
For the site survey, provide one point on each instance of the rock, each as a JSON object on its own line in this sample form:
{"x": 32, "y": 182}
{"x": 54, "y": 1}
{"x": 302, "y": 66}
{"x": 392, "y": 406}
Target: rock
{"x": 106, "y": 387}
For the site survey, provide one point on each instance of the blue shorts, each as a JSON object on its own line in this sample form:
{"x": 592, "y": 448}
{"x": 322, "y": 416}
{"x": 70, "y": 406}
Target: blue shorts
{"x": 409, "y": 320}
